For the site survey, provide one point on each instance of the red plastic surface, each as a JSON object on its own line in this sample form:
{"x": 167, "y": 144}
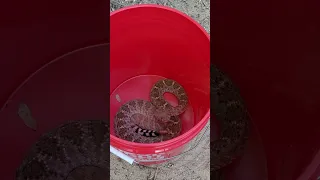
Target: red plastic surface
{"x": 139, "y": 87}
{"x": 56, "y": 93}
{"x": 31, "y": 35}
{"x": 252, "y": 165}
{"x": 154, "y": 40}
{"x": 271, "y": 50}
{"x": 312, "y": 171}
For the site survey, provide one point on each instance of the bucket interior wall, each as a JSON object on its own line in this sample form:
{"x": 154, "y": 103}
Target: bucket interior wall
{"x": 32, "y": 36}
{"x": 271, "y": 51}
{"x": 53, "y": 99}
{"x": 155, "y": 41}
{"x": 30, "y": 40}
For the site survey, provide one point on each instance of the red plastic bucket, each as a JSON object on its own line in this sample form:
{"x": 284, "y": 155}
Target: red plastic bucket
{"x": 148, "y": 43}
{"x": 271, "y": 52}
{"x": 53, "y": 99}
{"x": 54, "y": 92}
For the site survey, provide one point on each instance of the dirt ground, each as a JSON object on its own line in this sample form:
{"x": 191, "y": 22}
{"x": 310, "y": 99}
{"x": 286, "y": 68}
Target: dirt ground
{"x": 194, "y": 164}
{"x": 199, "y": 10}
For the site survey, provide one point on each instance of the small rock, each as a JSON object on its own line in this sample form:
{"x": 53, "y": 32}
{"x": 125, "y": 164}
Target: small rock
{"x": 169, "y": 165}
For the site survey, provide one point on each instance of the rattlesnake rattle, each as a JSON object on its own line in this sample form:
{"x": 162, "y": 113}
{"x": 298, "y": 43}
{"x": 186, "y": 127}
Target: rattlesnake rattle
{"x": 142, "y": 121}
{"x": 58, "y": 155}
{"x": 231, "y": 113}
{"x": 76, "y": 150}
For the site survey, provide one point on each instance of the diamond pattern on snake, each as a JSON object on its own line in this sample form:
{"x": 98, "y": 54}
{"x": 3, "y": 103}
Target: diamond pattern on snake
{"x": 152, "y": 121}
{"x": 231, "y": 112}
{"x": 76, "y": 150}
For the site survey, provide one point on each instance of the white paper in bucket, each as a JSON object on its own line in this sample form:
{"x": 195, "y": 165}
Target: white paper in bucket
{"x": 121, "y": 155}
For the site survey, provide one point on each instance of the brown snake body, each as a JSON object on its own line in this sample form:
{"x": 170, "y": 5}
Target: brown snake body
{"x": 155, "y": 117}
{"x": 232, "y": 115}
{"x": 74, "y": 151}
{"x": 77, "y": 150}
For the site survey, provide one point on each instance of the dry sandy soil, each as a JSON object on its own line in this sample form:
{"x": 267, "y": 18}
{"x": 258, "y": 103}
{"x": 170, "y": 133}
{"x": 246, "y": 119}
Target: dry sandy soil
{"x": 191, "y": 165}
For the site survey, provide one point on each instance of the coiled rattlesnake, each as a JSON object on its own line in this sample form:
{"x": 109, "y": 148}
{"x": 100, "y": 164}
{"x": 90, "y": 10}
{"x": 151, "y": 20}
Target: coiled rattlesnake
{"x": 142, "y": 121}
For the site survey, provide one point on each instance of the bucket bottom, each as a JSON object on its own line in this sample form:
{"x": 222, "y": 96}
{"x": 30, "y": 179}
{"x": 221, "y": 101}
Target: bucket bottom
{"x": 139, "y": 87}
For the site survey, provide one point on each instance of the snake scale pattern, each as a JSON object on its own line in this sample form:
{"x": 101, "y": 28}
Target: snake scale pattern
{"x": 152, "y": 121}
{"x": 76, "y": 150}
{"x": 233, "y": 118}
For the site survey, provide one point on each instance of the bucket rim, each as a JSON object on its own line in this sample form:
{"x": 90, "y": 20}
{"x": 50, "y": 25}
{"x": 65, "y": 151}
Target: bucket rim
{"x": 167, "y": 8}
{"x": 180, "y": 140}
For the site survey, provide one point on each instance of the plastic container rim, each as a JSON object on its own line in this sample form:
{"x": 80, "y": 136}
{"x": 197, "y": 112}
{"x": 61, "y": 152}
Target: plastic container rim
{"x": 184, "y": 138}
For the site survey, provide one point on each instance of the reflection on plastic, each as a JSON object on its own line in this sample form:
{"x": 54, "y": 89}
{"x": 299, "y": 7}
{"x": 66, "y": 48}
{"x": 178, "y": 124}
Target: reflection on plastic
{"x": 25, "y": 114}
{"x": 121, "y": 155}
